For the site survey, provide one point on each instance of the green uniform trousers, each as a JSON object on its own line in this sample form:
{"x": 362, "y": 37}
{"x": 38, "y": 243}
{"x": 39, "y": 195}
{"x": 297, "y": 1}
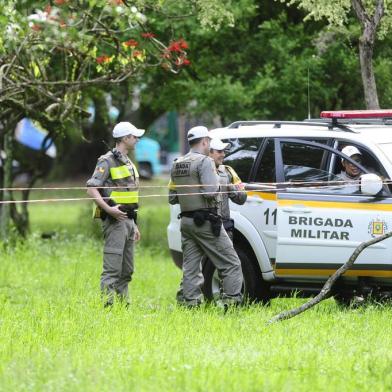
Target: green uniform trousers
{"x": 198, "y": 241}
{"x": 117, "y": 258}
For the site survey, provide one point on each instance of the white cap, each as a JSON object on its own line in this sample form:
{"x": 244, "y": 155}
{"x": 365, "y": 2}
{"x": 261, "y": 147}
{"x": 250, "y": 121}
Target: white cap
{"x": 197, "y": 133}
{"x": 126, "y": 128}
{"x": 350, "y": 151}
{"x": 217, "y": 144}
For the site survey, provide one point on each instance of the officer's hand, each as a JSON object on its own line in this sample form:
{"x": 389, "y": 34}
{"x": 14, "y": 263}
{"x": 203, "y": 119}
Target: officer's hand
{"x": 239, "y": 187}
{"x": 116, "y": 213}
{"x": 136, "y": 234}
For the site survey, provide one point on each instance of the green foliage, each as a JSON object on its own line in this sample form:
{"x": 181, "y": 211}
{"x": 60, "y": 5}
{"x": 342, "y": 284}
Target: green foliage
{"x": 214, "y": 14}
{"x": 55, "y": 51}
{"x": 335, "y": 11}
{"x": 259, "y": 69}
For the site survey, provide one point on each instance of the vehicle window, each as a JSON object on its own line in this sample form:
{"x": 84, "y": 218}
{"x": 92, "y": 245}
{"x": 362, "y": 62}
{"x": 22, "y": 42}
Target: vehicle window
{"x": 266, "y": 170}
{"x": 304, "y": 163}
{"x": 242, "y": 154}
{"x": 367, "y": 161}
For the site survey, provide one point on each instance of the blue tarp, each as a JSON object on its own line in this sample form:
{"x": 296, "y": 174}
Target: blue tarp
{"x": 29, "y": 135}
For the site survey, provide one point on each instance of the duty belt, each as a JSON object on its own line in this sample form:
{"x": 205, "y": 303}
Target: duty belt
{"x": 200, "y": 216}
{"x": 191, "y": 214}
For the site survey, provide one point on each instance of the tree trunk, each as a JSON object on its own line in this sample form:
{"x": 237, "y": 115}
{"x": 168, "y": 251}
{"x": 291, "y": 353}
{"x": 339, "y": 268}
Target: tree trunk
{"x": 21, "y": 219}
{"x": 367, "y": 72}
{"x": 369, "y": 25}
{"x": 5, "y": 211}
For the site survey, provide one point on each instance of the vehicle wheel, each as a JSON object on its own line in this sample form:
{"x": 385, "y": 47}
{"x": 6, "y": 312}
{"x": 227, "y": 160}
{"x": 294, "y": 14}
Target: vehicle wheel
{"x": 348, "y": 300}
{"x": 145, "y": 170}
{"x": 254, "y": 288}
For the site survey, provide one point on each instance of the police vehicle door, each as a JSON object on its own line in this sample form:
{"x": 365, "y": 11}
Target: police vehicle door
{"x": 260, "y": 207}
{"x": 320, "y": 226}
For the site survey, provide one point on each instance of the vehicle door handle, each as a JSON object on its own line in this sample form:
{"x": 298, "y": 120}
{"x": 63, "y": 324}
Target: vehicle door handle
{"x": 297, "y": 210}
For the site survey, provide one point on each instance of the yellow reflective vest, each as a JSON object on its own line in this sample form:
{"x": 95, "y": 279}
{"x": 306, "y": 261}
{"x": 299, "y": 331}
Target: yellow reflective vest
{"x": 119, "y": 179}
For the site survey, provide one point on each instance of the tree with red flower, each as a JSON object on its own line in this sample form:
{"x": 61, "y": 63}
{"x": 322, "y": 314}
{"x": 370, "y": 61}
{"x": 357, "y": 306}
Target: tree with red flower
{"x": 131, "y": 43}
{"x": 148, "y": 35}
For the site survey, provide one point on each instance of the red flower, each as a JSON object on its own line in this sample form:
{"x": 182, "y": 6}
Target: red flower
{"x": 186, "y": 62}
{"x": 174, "y": 46}
{"x": 148, "y": 35}
{"x": 183, "y": 44}
{"x": 131, "y": 43}
{"x": 102, "y": 59}
{"x": 178, "y": 46}
{"x": 117, "y": 2}
{"x": 59, "y": 2}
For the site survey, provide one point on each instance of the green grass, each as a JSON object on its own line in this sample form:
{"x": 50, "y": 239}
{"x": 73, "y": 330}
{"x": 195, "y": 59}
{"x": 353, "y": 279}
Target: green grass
{"x": 74, "y": 217}
{"x": 55, "y": 335}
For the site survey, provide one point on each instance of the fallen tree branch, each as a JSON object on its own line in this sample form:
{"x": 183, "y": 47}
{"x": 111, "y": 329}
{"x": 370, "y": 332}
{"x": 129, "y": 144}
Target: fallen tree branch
{"x": 325, "y": 291}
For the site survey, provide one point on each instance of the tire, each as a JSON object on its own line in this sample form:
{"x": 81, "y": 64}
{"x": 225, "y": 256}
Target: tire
{"x": 254, "y": 288}
{"x": 348, "y": 300}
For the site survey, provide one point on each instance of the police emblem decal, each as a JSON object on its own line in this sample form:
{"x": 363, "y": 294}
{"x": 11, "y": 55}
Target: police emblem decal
{"x": 377, "y": 227}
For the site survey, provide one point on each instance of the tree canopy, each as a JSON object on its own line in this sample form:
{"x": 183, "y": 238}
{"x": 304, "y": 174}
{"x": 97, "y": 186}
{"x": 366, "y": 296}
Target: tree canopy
{"x": 375, "y": 20}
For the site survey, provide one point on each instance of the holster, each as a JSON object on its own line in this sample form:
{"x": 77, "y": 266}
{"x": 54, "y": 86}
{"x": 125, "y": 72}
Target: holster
{"x": 199, "y": 217}
{"x": 216, "y": 224}
{"x": 228, "y": 224}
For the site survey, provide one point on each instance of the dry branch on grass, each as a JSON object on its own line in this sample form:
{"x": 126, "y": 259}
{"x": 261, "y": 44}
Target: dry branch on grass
{"x": 325, "y": 291}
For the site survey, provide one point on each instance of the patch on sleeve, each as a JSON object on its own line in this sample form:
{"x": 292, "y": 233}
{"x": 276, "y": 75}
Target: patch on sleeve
{"x": 100, "y": 172}
{"x": 182, "y": 169}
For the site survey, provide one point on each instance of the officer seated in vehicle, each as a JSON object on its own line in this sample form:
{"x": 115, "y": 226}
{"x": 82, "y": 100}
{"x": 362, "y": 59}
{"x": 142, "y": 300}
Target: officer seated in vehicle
{"x": 351, "y": 173}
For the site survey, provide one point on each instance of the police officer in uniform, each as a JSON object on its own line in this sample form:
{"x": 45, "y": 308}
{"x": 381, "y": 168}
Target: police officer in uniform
{"x": 231, "y": 185}
{"x": 350, "y": 173}
{"x": 194, "y": 185}
{"x": 114, "y": 187}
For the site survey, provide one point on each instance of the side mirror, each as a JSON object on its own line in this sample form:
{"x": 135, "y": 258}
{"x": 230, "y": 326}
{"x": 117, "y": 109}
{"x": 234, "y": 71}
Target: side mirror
{"x": 370, "y": 184}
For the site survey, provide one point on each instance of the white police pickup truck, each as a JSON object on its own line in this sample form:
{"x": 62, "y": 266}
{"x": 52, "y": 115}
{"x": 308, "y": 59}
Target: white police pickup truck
{"x": 301, "y": 222}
